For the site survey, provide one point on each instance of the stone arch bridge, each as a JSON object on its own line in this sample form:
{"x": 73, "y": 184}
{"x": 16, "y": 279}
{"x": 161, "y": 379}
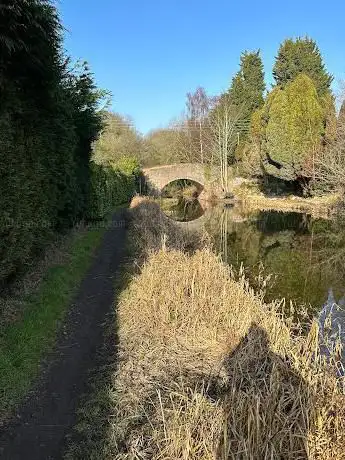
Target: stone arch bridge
{"x": 158, "y": 177}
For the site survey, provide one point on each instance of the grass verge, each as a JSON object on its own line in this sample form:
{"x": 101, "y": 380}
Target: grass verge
{"x": 25, "y": 340}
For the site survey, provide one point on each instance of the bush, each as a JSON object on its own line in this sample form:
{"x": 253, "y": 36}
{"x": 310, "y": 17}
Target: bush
{"x": 293, "y": 121}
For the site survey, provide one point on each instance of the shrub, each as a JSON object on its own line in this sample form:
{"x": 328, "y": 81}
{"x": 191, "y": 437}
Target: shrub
{"x": 294, "y": 127}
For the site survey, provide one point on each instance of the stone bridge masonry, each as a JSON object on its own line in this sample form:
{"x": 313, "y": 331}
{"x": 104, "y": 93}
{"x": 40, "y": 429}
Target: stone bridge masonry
{"x": 159, "y": 176}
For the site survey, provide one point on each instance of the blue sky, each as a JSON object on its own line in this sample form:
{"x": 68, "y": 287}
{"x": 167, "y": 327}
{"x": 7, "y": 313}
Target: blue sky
{"x": 149, "y": 54}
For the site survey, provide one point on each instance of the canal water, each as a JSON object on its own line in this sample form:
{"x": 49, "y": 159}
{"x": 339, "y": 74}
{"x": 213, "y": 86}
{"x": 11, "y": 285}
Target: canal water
{"x": 304, "y": 257}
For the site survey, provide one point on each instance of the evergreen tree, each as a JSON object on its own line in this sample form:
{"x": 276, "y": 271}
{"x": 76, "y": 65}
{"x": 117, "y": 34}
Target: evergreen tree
{"x": 247, "y": 94}
{"x": 301, "y": 56}
{"x": 248, "y": 85}
{"x": 236, "y": 93}
{"x": 294, "y": 131}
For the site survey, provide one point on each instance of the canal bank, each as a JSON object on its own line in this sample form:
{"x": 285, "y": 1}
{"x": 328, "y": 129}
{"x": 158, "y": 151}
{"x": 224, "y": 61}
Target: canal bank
{"x": 206, "y": 369}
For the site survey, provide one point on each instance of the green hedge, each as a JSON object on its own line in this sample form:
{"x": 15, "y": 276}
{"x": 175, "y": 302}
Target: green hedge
{"x": 48, "y": 121}
{"x": 111, "y": 186}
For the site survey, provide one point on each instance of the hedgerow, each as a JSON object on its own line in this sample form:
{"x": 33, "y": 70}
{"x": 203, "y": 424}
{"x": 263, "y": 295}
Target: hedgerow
{"x": 111, "y": 186}
{"x": 49, "y": 119}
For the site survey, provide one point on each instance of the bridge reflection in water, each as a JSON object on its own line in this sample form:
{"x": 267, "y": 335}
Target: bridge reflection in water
{"x": 300, "y": 256}
{"x": 190, "y": 214}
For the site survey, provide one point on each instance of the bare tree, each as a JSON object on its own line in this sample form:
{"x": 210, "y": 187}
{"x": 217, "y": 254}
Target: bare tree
{"x": 164, "y": 146}
{"x": 224, "y": 127}
{"x": 196, "y": 125}
{"x": 118, "y": 139}
{"x": 330, "y": 163}
{"x": 184, "y": 140}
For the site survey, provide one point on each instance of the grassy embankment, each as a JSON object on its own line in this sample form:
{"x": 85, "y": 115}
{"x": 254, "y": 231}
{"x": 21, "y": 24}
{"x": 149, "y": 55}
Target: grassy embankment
{"x": 205, "y": 369}
{"x": 253, "y": 198}
{"x": 32, "y": 311}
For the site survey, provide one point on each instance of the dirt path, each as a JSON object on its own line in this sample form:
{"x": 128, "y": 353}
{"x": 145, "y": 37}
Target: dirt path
{"x": 44, "y": 420}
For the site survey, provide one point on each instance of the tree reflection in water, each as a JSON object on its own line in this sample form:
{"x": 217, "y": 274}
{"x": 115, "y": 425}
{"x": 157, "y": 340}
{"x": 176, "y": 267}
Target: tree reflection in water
{"x": 306, "y": 256}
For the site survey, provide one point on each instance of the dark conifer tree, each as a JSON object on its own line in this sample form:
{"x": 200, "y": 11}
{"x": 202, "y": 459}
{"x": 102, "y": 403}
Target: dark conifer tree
{"x": 301, "y": 56}
{"x": 248, "y": 85}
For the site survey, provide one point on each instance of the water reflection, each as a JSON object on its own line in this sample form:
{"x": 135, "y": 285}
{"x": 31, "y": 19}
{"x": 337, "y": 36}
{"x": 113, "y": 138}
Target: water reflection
{"x": 182, "y": 210}
{"x": 304, "y": 255}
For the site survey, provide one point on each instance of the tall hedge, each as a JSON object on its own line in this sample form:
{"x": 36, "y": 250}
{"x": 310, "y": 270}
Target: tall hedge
{"x": 48, "y": 121}
{"x": 111, "y": 185}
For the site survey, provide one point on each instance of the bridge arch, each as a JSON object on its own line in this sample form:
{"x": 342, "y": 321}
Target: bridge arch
{"x": 160, "y": 176}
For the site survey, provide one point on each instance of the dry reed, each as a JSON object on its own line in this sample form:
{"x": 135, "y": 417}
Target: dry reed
{"x": 207, "y": 371}
{"x": 319, "y": 206}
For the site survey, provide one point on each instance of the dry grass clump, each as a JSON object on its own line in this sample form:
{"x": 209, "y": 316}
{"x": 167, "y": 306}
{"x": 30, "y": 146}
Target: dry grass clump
{"x": 320, "y": 206}
{"x": 207, "y": 371}
{"x": 151, "y": 229}
{"x": 316, "y": 206}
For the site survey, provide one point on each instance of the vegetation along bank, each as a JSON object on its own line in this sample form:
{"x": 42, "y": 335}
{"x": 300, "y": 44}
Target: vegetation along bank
{"x": 205, "y": 369}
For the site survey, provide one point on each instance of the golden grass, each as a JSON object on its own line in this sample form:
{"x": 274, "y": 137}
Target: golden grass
{"x": 321, "y": 206}
{"x": 207, "y": 371}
